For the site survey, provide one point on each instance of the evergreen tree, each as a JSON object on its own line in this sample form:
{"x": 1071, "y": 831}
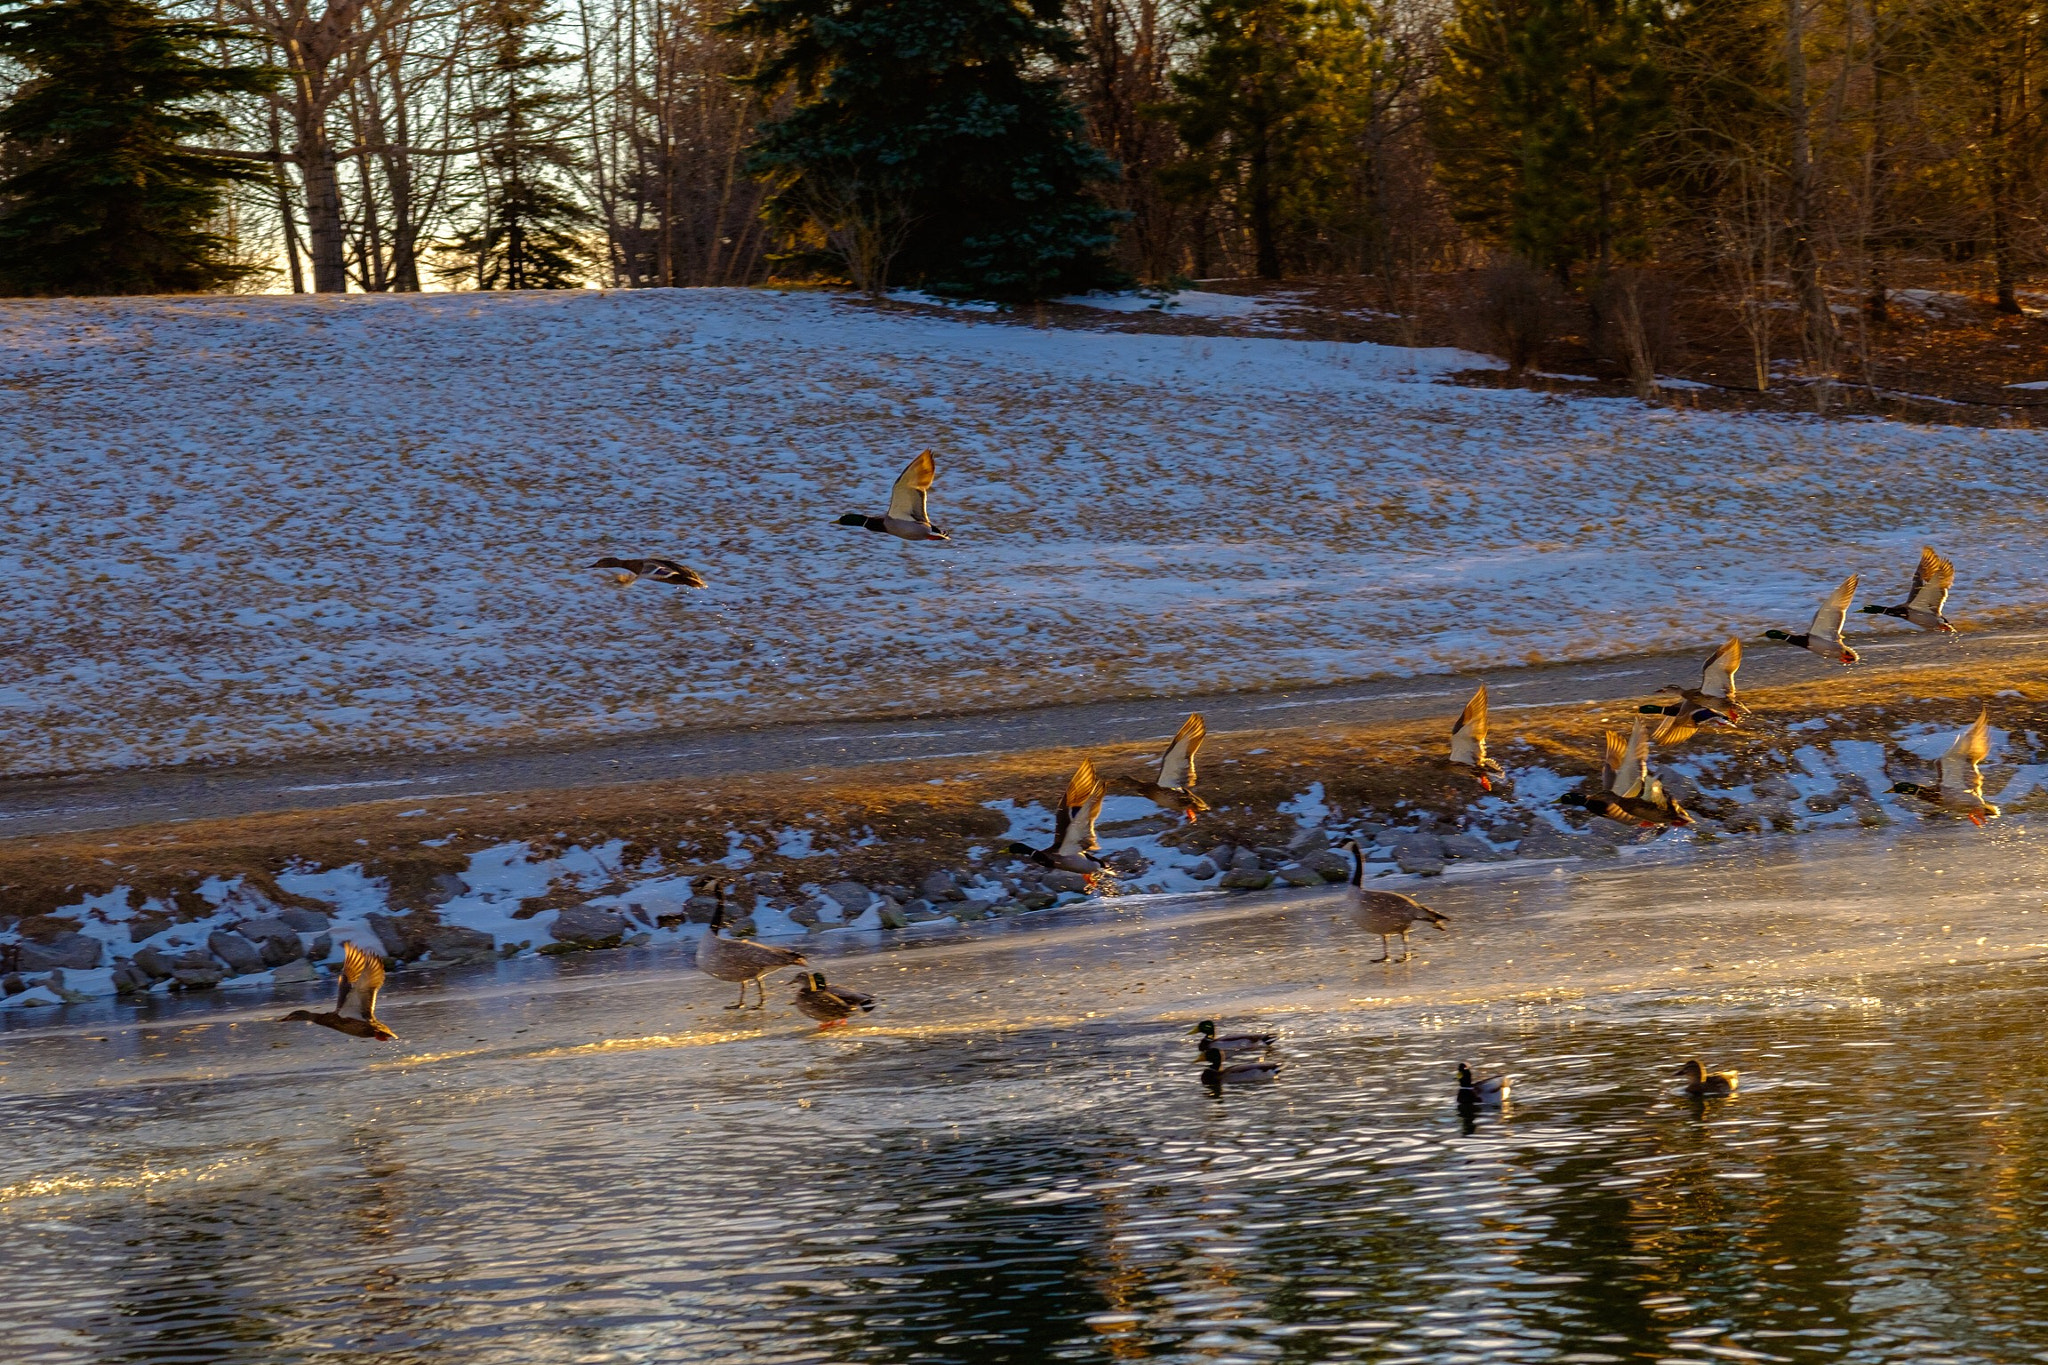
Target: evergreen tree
{"x": 102, "y": 193}
{"x": 930, "y": 142}
{"x": 526, "y": 229}
{"x": 1542, "y": 122}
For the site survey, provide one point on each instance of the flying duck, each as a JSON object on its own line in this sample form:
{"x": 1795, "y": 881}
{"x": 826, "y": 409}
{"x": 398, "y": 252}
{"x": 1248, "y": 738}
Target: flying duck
{"x": 1220, "y": 1070}
{"x": 1958, "y": 785}
{"x": 1824, "y": 636}
{"x": 1384, "y": 912}
{"x": 829, "y": 1005}
{"x": 1468, "y": 742}
{"x": 1702, "y": 1082}
{"x": 355, "y": 1002}
{"x": 1482, "y": 1091}
{"x": 1230, "y": 1044}
{"x": 1073, "y": 837}
{"x": 1173, "y": 788}
{"x": 1711, "y": 703}
{"x": 653, "y": 570}
{"x": 1629, "y": 792}
{"x": 1922, "y": 607}
{"x": 739, "y": 959}
{"x": 908, "y": 517}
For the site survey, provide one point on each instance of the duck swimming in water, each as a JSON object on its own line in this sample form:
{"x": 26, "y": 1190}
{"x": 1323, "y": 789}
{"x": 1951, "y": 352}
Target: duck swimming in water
{"x": 1824, "y": 635}
{"x": 1928, "y": 595}
{"x": 1231, "y": 1044}
{"x": 1173, "y": 787}
{"x": 1959, "y": 783}
{"x": 1481, "y": 1092}
{"x": 909, "y": 514}
{"x": 355, "y": 1002}
{"x": 1701, "y": 1082}
{"x": 1385, "y": 913}
{"x": 1221, "y": 1070}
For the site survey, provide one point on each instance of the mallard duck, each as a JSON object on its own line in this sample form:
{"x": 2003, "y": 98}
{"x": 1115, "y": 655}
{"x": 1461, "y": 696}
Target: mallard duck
{"x": 1824, "y": 636}
{"x": 829, "y": 1005}
{"x": 1629, "y": 793}
{"x": 1384, "y": 912}
{"x": 1174, "y": 786}
{"x": 908, "y": 517}
{"x": 1468, "y": 742}
{"x": 1700, "y": 1081}
{"x": 1922, "y": 607}
{"x": 355, "y": 1002}
{"x": 1220, "y": 1069}
{"x": 739, "y": 959}
{"x": 1958, "y": 785}
{"x": 653, "y": 570}
{"x": 1231, "y": 1044}
{"x": 1712, "y": 702}
{"x": 1073, "y": 837}
{"x": 1482, "y": 1091}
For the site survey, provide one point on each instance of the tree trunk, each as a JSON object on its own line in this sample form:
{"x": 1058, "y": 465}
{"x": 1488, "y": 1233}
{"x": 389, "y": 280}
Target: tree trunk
{"x": 1802, "y": 256}
{"x": 323, "y": 210}
{"x": 1259, "y": 191}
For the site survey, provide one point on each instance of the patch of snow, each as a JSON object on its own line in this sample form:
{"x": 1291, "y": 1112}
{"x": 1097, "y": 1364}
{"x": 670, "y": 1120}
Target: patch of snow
{"x": 795, "y": 843}
{"x": 1307, "y": 808}
{"x": 1029, "y": 824}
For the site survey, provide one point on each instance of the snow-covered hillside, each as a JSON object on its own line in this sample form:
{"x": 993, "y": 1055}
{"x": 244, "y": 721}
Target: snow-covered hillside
{"x": 243, "y": 526}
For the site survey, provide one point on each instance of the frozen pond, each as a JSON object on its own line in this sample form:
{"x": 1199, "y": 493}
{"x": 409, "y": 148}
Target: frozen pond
{"x": 588, "y": 1160}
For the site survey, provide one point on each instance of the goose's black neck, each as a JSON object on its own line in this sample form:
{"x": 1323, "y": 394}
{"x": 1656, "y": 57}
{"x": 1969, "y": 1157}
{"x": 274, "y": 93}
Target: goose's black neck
{"x": 1357, "y": 864}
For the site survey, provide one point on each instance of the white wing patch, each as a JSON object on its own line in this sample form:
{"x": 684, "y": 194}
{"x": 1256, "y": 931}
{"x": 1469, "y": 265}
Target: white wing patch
{"x": 1177, "y": 764}
{"x": 907, "y": 501}
{"x": 1827, "y": 622}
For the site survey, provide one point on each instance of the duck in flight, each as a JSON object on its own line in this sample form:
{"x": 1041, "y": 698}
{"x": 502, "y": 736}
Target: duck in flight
{"x": 1468, "y": 742}
{"x": 1958, "y": 783}
{"x": 908, "y": 517}
{"x": 829, "y": 1005}
{"x": 1686, "y": 709}
{"x": 355, "y": 1002}
{"x": 1929, "y": 594}
{"x": 653, "y": 570}
{"x": 1385, "y": 913}
{"x": 1824, "y": 636}
{"x": 1173, "y": 787}
{"x": 1073, "y": 838}
{"x": 740, "y": 959}
{"x": 1629, "y": 792}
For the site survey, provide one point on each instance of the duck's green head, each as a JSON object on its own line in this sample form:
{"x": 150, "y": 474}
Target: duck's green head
{"x": 1575, "y": 799}
{"x": 1016, "y": 850}
{"x": 1207, "y": 1028}
{"x": 1777, "y": 635}
{"x": 852, "y": 519}
{"x": 1904, "y": 788}
{"x": 1872, "y": 610}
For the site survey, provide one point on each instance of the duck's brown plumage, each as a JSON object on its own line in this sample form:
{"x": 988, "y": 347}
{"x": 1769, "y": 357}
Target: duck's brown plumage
{"x": 355, "y": 999}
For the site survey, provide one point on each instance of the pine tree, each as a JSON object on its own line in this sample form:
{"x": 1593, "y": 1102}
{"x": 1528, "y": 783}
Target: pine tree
{"x": 103, "y": 194}
{"x": 1542, "y": 122}
{"x": 929, "y": 142}
{"x": 525, "y": 230}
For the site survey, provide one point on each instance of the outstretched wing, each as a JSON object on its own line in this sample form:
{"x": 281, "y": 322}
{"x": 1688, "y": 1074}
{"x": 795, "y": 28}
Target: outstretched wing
{"x": 1679, "y": 728}
{"x": 1958, "y": 770}
{"x": 1632, "y": 773}
{"x": 907, "y": 500}
{"x": 362, "y": 976}
{"x": 1717, "y": 679}
{"x": 1468, "y": 734}
{"x": 1076, "y": 833}
{"x": 1177, "y": 765}
{"x": 1612, "y": 752}
{"x": 1827, "y": 622}
{"x": 1931, "y": 582}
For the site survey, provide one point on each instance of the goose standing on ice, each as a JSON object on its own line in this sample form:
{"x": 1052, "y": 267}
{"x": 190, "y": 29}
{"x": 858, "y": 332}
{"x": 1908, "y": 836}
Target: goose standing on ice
{"x": 1824, "y": 636}
{"x": 1629, "y": 792}
{"x": 1384, "y": 912}
{"x": 908, "y": 517}
{"x": 1711, "y": 703}
{"x": 355, "y": 1002}
{"x": 739, "y": 959}
{"x": 829, "y": 1005}
{"x": 1173, "y": 787}
{"x": 1073, "y": 837}
{"x": 1958, "y": 784}
{"x": 1922, "y": 607}
{"x": 653, "y": 570}
{"x": 1468, "y": 742}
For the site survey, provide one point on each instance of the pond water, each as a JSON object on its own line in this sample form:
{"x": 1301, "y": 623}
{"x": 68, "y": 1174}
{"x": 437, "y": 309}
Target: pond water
{"x": 589, "y": 1160}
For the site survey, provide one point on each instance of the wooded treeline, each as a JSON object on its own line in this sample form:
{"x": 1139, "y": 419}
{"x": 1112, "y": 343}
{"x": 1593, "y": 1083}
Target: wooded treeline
{"x": 1789, "y": 147}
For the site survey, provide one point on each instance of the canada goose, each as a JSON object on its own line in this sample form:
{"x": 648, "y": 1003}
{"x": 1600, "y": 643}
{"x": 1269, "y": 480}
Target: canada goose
{"x": 1700, "y": 1081}
{"x": 1629, "y": 793}
{"x": 653, "y": 570}
{"x": 1468, "y": 742}
{"x": 1922, "y": 607}
{"x": 355, "y": 1002}
{"x": 1712, "y": 702}
{"x": 1219, "y": 1070}
{"x": 1958, "y": 784}
{"x": 829, "y": 1005}
{"x": 1073, "y": 839}
{"x": 1231, "y": 1044}
{"x": 1824, "y": 636}
{"x": 908, "y": 517}
{"x": 1173, "y": 787}
{"x": 1482, "y": 1091}
{"x": 1384, "y": 912}
{"x": 739, "y": 959}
